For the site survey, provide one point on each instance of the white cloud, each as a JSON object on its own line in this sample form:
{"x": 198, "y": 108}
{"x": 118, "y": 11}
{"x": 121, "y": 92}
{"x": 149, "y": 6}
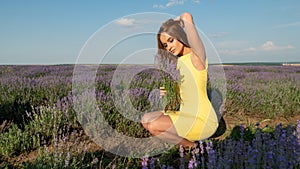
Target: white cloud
{"x": 172, "y": 3}
{"x": 268, "y": 46}
{"x": 250, "y": 49}
{"x": 158, "y": 6}
{"x": 125, "y": 22}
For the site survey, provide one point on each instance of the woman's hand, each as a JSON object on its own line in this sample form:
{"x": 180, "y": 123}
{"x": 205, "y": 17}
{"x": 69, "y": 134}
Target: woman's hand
{"x": 162, "y": 92}
{"x": 185, "y": 17}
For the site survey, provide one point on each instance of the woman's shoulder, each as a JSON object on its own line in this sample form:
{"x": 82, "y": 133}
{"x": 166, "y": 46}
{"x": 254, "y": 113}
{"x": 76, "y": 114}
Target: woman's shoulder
{"x": 183, "y": 57}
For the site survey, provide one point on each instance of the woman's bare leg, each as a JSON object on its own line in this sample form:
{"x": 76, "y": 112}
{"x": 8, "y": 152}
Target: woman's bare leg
{"x": 161, "y": 125}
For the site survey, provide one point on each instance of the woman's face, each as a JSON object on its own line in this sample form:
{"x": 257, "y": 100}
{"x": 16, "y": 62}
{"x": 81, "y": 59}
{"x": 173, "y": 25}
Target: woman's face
{"x": 171, "y": 44}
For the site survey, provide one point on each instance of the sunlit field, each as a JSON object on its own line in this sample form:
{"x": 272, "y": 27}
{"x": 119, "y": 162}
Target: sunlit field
{"x": 39, "y": 127}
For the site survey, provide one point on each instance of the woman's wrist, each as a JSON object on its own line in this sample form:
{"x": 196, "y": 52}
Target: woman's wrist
{"x": 181, "y": 21}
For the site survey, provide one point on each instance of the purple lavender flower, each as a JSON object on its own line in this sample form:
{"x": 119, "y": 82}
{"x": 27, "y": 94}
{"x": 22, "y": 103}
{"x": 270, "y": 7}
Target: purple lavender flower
{"x": 196, "y": 156}
{"x": 152, "y": 164}
{"x": 201, "y": 147}
{"x": 191, "y": 163}
{"x": 211, "y": 155}
{"x": 181, "y": 153}
{"x": 145, "y": 162}
{"x": 298, "y": 130}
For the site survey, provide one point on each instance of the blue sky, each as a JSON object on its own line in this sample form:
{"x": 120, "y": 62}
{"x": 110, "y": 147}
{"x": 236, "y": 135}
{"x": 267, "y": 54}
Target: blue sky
{"x": 54, "y": 31}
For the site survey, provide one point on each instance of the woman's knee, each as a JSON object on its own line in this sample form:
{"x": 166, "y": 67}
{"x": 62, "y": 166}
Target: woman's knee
{"x": 148, "y": 123}
{"x": 149, "y": 117}
{"x": 144, "y": 123}
{"x": 149, "y": 126}
{"x": 152, "y": 128}
{"x": 146, "y": 120}
{"x": 156, "y": 122}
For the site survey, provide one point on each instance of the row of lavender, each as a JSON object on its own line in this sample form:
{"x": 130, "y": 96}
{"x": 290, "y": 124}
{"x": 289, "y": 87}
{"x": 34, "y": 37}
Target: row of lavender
{"x": 268, "y": 90}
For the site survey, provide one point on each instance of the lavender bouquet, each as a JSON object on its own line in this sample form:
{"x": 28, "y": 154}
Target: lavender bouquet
{"x": 171, "y": 79}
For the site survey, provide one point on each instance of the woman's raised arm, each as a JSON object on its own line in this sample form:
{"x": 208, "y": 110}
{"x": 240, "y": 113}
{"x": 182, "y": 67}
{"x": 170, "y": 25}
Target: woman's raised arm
{"x": 193, "y": 36}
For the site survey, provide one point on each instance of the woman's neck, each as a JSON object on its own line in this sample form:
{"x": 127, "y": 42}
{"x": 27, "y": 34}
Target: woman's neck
{"x": 186, "y": 50}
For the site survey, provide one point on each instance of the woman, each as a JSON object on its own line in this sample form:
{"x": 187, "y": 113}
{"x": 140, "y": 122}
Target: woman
{"x": 196, "y": 118}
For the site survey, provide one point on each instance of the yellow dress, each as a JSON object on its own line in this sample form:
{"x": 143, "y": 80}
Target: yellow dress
{"x": 196, "y": 118}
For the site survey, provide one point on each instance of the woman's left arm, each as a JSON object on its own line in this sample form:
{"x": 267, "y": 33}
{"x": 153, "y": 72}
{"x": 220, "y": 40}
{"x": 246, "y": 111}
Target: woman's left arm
{"x": 193, "y": 36}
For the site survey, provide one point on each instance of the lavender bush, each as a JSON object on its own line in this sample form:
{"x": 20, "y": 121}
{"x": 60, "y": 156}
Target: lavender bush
{"x": 279, "y": 149}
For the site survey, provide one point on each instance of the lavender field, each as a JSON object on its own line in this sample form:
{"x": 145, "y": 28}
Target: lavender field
{"x": 40, "y": 126}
